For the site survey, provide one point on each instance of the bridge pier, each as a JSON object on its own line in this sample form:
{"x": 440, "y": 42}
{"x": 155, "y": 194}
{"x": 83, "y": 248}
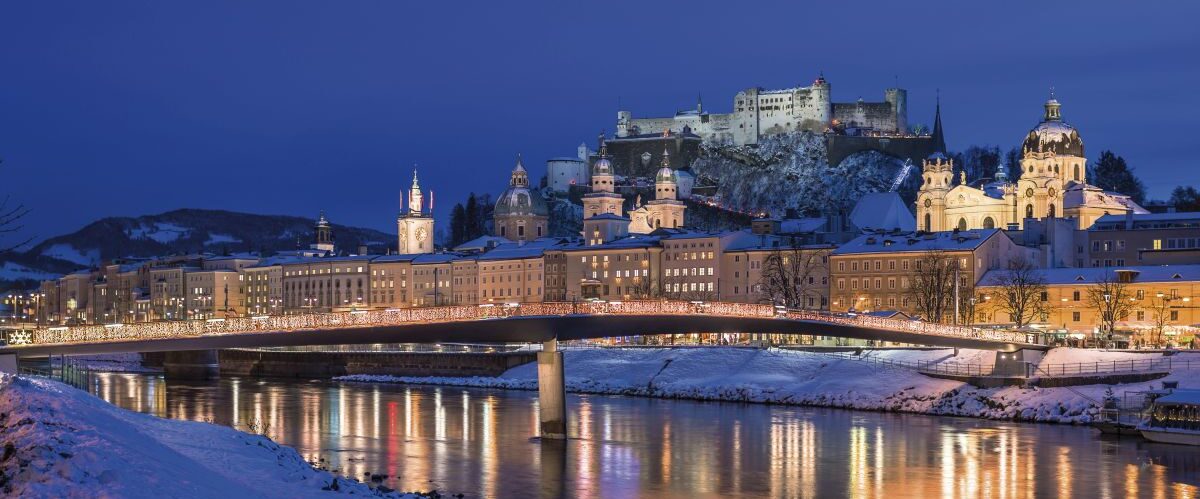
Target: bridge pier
{"x": 8, "y": 363}
{"x": 1016, "y": 364}
{"x": 192, "y": 365}
{"x": 552, "y": 391}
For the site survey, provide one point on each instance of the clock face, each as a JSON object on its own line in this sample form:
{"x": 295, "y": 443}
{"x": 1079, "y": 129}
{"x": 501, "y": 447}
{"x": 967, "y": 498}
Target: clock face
{"x": 421, "y": 234}
{"x": 1029, "y": 192}
{"x": 928, "y": 203}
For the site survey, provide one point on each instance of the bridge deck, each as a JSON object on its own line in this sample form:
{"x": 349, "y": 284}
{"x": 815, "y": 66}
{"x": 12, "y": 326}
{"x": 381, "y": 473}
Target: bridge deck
{"x": 535, "y": 322}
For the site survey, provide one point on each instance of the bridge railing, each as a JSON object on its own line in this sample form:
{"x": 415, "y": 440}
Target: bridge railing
{"x": 403, "y": 316}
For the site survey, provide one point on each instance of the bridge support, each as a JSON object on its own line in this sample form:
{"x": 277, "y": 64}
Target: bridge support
{"x": 552, "y": 391}
{"x": 1020, "y": 363}
{"x": 192, "y": 365}
{"x": 8, "y": 363}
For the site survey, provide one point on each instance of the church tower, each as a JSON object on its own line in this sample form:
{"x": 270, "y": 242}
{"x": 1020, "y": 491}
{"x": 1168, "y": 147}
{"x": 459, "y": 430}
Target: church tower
{"x": 666, "y": 211}
{"x": 415, "y": 226}
{"x": 937, "y": 174}
{"x": 603, "y": 198}
{"x": 322, "y": 236}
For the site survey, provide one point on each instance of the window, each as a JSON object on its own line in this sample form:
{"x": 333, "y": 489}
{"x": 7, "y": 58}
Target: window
{"x": 1174, "y": 315}
{"x": 1075, "y": 316}
{"x": 1075, "y": 296}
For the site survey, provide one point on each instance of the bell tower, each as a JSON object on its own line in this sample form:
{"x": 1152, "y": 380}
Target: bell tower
{"x": 665, "y": 210}
{"x": 415, "y": 226}
{"x": 937, "y": 174}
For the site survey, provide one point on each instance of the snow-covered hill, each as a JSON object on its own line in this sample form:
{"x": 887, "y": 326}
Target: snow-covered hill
{"x": 174, "y": 232}
{"x": 791, "y": 171}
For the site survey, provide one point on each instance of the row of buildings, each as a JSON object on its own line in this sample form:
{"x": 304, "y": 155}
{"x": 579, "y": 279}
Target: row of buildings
{"x": 644, "y": 251}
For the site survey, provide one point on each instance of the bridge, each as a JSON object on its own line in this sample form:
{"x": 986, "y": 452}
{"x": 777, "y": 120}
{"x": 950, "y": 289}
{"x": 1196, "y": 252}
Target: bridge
{"x": 545, "y": 323}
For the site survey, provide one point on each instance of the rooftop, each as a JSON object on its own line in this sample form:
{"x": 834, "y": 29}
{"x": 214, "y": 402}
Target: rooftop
{"x": 967, "y": 240}
{"x": 1088, "y": 275}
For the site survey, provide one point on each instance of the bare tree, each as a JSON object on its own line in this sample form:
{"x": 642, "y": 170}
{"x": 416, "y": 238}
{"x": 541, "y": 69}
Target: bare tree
{"x": 1112, "y": 300}
{"x": 932, "y": 288}
{"x": 792, "y": 275}
{"x": 968, "y": 304}
{"x": 10, "y": 223}
{"x": 1021, "y": 288}
{"x": 1161, "y": 306}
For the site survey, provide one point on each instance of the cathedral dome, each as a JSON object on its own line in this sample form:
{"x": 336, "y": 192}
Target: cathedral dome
{"x": 1053, "y": 135}
{"x": 519, "y": 199}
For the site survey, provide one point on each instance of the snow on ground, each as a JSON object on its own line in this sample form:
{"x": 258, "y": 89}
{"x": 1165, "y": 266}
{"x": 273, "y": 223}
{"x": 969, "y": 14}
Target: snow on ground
{"x": 159, "y": 231}
{"x": 806, "y": 378}
{"x": 64, "y": 251}
{"x": 14, "y": 272}
{"x": 215, "y": 238}
{"x": 114, "y": 362}
{"x": 62, "y": 442}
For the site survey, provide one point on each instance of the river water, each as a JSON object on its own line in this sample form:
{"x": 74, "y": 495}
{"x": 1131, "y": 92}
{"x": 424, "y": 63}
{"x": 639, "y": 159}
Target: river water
{"x": 481, "y": 443}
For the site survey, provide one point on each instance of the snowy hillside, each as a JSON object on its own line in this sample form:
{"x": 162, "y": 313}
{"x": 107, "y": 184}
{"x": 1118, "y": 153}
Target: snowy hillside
{"x": 791, "y": 171}
{"x": 174, "y": 232}
{"x": 62, "y": 442}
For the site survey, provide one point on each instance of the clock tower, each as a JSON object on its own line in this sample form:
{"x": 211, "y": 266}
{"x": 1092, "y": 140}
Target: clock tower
{"x": 415, "y": 226}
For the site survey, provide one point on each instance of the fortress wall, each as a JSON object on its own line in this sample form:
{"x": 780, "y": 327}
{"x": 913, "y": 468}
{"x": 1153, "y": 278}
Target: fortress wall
{"x": 878, "y": 115}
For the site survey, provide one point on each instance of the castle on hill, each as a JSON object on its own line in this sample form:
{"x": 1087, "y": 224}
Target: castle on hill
{"x": 759, "y": 113}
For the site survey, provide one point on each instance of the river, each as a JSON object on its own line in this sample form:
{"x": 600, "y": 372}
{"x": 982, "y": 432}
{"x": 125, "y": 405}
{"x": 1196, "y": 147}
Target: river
{"x": 480, "y": 442}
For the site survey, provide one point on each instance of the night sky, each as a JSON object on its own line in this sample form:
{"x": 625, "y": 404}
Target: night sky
{"x": 291, "y": 107}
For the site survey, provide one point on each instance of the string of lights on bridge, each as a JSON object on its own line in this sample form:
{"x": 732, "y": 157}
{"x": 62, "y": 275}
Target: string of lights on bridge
{"x": 162, "y": 330}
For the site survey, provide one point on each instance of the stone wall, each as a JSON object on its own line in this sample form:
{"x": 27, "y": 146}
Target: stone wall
{"x": 912, "y": 148}
{"x": 329, "y": 364}
{"x": 627, "y": 154}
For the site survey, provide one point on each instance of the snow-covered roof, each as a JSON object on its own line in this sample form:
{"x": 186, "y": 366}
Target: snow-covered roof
{"x": 481, "y": 243}
{"x": 1090, "y": 275}
{"x": 966, "y": 240}
{"x": 627, "y": 242}
{"x": 1180, "y": 397}
{"x": 607, "y": 216}
{"x": 1081, "y": 194}
{"x": 1186, "y": 218}
{"x": 801, "y": 225}
{"x": 882, "y": 210}
{"x": 513, "y": 250}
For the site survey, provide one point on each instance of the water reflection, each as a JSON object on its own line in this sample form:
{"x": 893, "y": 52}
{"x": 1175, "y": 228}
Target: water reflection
{"x": 480, "y": 442}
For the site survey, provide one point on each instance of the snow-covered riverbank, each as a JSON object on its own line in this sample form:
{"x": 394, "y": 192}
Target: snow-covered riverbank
{"x": 61, "y": 442}
{"x": 803, "y": 378}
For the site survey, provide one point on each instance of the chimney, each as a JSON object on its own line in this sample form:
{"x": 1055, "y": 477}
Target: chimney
{"x": 362, "y": 249}
{"x": 1128, "y": 219}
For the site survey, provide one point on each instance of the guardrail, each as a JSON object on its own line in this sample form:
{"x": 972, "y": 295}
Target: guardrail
{"x": 1064, "y": 370}
{"x": 405, "y": 316}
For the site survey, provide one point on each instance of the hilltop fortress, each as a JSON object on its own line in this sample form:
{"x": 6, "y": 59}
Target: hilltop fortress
{"x": 759, "y": 113}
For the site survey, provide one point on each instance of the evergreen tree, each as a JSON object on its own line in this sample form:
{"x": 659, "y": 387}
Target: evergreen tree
{"x": 1185, "y": 198}
{"x": 471, "y": 227}
{"x": 1112, "y": 174}
{"x": 1012, "y": 161}
{"x": 458, "y": 225}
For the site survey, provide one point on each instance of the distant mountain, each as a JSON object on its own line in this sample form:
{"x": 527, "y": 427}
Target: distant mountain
{"x": 174, "y": 232}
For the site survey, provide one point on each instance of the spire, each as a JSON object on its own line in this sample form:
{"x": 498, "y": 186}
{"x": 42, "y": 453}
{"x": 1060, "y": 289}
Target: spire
{"x": 415, "y": 204}
{"x": 699, "y": 103}
{"x": 666, "y": 159}
{"x": 939, "y": 140}
{"x": 600, "y": 142}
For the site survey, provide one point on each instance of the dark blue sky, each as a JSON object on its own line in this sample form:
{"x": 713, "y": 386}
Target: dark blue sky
{"x": 290, "y": 107}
